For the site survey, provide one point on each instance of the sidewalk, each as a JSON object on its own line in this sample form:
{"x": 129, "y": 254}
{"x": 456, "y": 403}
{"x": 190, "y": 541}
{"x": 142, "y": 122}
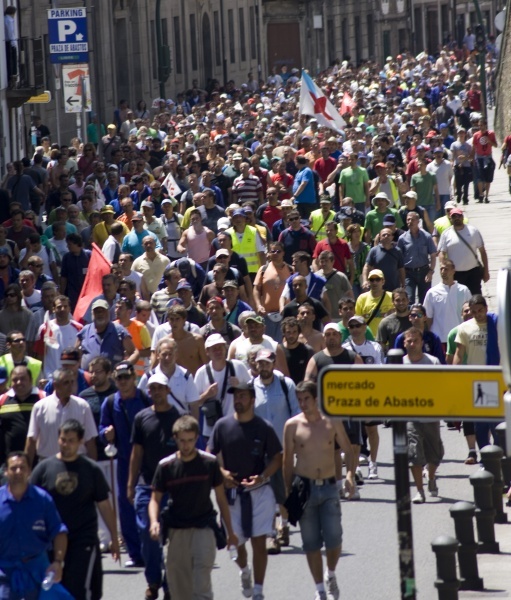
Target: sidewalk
{"x": 494, "y": 221}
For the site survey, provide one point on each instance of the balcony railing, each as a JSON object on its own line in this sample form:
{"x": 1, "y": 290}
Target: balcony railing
{"x": 29, "y": 79}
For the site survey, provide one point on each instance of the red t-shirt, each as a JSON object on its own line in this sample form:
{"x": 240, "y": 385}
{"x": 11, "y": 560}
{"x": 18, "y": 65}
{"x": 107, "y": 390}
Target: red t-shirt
{"x": 271, "y": 214}
{"x": 340, "y": 249}
{"x": 482, "y": 142}
{"x": 324, "y": 167}
{"x": 286, "y": 180}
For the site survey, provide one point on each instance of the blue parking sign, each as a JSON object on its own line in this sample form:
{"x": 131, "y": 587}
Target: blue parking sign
{"x": 67, "y": 34}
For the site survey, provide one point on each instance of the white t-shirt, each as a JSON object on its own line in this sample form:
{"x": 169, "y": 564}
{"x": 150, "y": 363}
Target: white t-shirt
{"x": 56, "y": 338}
{"x": 474, "y": 337}
{"x": 165, "y": 330}
{"x": 370, "y": 352}
{"x": 243, "y": 345}
{"x": 443, "y": 304}
{"x": 202, "y": 382}
{"x": 457, "y": 250}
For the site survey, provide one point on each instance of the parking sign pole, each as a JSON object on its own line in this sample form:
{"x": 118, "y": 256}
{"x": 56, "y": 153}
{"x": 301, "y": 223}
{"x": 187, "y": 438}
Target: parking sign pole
{"x": 403, "y": 503}
{"x": 504, "y": 336}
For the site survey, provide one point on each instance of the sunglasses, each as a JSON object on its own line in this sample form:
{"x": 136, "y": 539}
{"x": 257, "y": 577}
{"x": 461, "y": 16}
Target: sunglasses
{"x": 123, "y": 376}
{"x": 375, "y": 279}
{"x": 416, "y": 315}
{"x": 354, "y": 325}
{"x": 18, "y": 341}
{"x": 294, "y": 219}
{"x": 275, "y": 251}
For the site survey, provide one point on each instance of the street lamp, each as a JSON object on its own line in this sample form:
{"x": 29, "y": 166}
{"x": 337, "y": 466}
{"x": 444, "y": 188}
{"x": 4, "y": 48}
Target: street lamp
{"x": 163, "y": 52}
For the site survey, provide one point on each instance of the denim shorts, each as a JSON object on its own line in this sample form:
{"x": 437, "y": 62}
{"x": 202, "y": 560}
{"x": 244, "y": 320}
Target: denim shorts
{"x": 321, "y": 519}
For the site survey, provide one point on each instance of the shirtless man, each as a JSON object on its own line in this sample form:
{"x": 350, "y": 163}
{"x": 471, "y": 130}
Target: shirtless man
{"x": 191, "y": 353}
{"x": 311, "y": 438}
{"x": 308, "y": 334}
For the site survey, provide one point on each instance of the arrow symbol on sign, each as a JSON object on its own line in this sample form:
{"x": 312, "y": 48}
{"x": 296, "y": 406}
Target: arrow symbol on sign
{"x": 72, "y": 100}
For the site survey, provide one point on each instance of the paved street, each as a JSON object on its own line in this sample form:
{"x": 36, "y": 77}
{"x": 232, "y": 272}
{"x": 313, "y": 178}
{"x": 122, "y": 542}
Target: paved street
{"x": 369, "y": 566}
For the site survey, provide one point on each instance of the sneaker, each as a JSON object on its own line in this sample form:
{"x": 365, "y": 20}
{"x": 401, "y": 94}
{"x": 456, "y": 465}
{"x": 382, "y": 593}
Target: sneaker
{"x": 272, "y": 545}
{"x": 359, "y": 478}
{"x": 471, "y": 458}
{"x": 133, "y": 564}
{"x": 320, "y": 596}
{"x": 362, "y": 459}
{"x": 432, "y": 487}
{"x": 283, "y": 535}
{"x": 487, "y": 200}
{"x": 372, "y": 470}
{"x": 258, "y": 597}
{"x": 332, "y": 589}
{"x": 355, "y": 496}
{"x": 246, "y": 584}
{"x": 419, "y": 497}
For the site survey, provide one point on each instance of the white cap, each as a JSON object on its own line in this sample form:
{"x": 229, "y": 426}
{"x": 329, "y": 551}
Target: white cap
{"x": 214, "y": 339}
{"x": 159, "y": 378}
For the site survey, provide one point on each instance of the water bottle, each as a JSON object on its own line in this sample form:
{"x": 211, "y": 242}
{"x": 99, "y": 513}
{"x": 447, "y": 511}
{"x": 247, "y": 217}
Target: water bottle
{"x": 110, "y": 450}
{"x": 233, "y": 553}
{"x": 48, "y": 580}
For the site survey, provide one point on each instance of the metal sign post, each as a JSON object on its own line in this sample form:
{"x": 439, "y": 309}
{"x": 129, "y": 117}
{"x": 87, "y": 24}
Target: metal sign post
{"x": 504, "y": 335}
{"x": 403, "y": 503}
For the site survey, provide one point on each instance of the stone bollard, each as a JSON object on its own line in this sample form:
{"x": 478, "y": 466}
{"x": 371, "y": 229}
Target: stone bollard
{"x": 463, "y": 514}
{"x": 482, "y": 482}
{"x": 446, "y": 583}
{"x": 506, "y": 461}
{"x": 491, "y": 457}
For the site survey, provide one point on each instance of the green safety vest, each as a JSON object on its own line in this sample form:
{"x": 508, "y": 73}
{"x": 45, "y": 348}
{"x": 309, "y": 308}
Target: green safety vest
{"x": 318, "y": 222}
{"x": 33, "y": 365}
{"x": 247, "y": 247}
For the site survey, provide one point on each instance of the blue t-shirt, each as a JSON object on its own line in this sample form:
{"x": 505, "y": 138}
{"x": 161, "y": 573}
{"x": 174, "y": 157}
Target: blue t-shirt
{"x": 308, "y": 194}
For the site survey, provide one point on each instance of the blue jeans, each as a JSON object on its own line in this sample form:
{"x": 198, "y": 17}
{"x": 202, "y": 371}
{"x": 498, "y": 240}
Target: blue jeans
{"x": 127, "y": 516}
{"x": 414, "y": 283}
{"x": 443, "y": 199}
{"x": 321, "y": 519}
{"x": 431, "y": 210}
{"x": 483, "y": 430}
{"x": 151, "y": 550}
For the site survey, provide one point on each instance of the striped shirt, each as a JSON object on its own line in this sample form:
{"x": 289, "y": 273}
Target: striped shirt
{"x": 247, "y": 189}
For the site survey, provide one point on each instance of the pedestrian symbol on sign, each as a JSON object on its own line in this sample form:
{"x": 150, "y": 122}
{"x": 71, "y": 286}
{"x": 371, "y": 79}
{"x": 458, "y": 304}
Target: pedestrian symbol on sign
{"x": 485, "y": 393}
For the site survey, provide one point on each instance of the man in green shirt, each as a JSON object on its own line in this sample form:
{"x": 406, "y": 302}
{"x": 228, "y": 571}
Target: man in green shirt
{"x": 354, "y": 183}
{"x": 425, "y": 186}
{"x": 374, "y": 218}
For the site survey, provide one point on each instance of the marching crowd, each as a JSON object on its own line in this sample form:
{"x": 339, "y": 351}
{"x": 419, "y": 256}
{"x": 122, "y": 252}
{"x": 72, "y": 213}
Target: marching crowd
{"x": 242, "y": 246}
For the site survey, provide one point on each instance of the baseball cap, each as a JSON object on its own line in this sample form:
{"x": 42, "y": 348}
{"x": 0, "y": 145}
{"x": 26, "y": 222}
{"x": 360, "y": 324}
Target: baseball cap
{"x": 230, "y": 283}
{"x": 411, "y": 194}
{"x": 124, "y": 367}
{"x": 239, "y": 212}
{"x": 137, "y": 217}
{"x": 380, "y": 165}
{"x": 69, "y": 357}
{"x": 172, "y": 201}
{"x": 331, "y": 327}
{"x": 376, "y": 273}
{"x": 4, "y": 376}
{"x": 100, "y": 304}
{"x": 357, "y": 319}
{"x": 107, "y": 209}
{"x": 222, "y": 252}
{"x": 265, "y": 354}
{"x": 443, "y": 126}
{"x": 217, "y": 299}
{"x": 5, "y": 252}
{"x": 449, "y": 205}
{"x": 159, "y": 378}
{"x": 183, "y": 285}
{"x": 223, "y": 223}
{"x": 325, "y": 200}
{"x": 438, "y": 150}
{"x": 147, "y": 204}
{"x": 173, "y": 302}
{"x": 237, "y": 156}
{"x": 456, "y": 211}
{"x": 136, "y": 179}
{"x": 255, "y": 318}
{"x": 389, "y": 220}
{"x": 241, "y": 386}
{"x": 214, "y": 339}
{"x": 286, "y": 203}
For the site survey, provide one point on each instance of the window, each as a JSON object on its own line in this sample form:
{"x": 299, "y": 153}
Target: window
{"x": 218, "y": 39}
{"x": 253, "y": 34}
{"x": 232, "y": 47}
{"x": 386, "y": 43}
{"x": 358, "y": 40}
{"x": 177, "y": 46}
{"x": 243, "y": 42}
{"x": 193, "y": 42}
{"x": 344, "y": 39}
{"x": 331, "y": 40}
{"x": 370, "y": 35}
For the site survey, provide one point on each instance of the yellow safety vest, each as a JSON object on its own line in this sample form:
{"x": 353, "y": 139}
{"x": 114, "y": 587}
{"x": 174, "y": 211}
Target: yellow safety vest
{"x": 247, "y": 247}
{"x": 318, "y": 223}
{"x": 33, "y": 365}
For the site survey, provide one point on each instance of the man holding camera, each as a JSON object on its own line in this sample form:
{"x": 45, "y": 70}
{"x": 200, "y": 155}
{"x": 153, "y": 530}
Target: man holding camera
{"x": 213, "y": 381}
